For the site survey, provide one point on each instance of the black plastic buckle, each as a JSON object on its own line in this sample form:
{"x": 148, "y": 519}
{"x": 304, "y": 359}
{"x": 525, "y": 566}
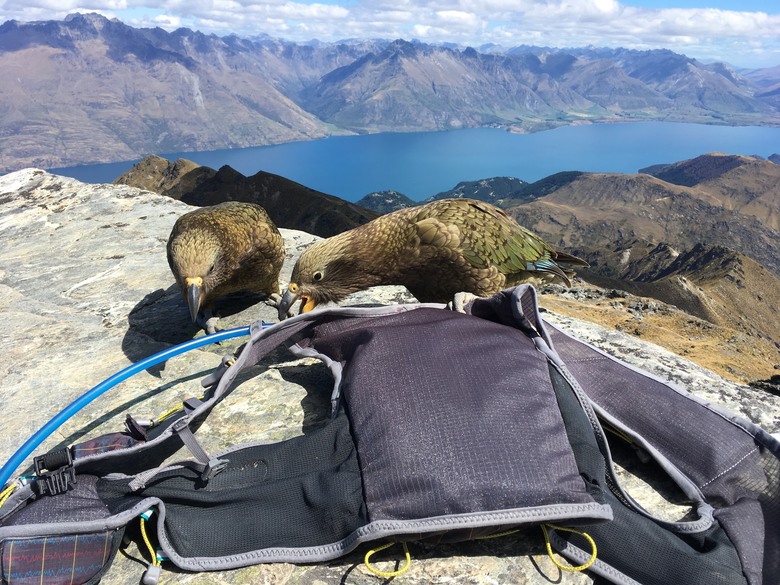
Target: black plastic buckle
{"x": 212, "y": 468}
{"x": 55, "y": 472}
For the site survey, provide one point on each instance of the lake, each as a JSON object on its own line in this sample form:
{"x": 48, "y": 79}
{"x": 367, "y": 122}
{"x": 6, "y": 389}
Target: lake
{"x": 421, "y": 164}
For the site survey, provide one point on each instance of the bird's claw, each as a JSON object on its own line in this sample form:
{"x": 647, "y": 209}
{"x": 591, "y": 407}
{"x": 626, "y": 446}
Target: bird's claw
{"x": 211, "y": 325}
{"x": 459, "y": 302}
{"x": 273, "y": 300}
{"x": 208, "y": 322}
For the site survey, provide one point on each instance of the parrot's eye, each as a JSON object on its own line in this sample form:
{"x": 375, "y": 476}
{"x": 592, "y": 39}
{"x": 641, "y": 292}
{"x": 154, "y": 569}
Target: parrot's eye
{"x": 293, "y": 288}
{"x": 317, "y": 276}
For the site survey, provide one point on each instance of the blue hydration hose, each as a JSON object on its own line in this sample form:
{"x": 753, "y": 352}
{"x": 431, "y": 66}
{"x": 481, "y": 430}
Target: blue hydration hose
{"x": 32, "y": 443}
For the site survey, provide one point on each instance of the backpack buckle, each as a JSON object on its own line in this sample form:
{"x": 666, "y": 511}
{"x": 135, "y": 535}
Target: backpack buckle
{"x": 212, "y": 468}
{"x": 55, "y": 472}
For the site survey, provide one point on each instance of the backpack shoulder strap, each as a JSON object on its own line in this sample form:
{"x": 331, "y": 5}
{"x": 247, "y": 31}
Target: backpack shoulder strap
{"x": 725, "y": 464}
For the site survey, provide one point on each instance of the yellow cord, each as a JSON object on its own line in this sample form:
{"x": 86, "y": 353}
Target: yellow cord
{"x": 166, "y": 414}
{"x": 617, "y": 432}
{"x": 176, "y": 409}
{"x": 497, "y": 535}
{"x": 387, "y": 574}
{"x": 171, "y": 411}
{"x": 152, "y": 553}
{"x": 555, "y": 561}
{"x": 6, "y": 493}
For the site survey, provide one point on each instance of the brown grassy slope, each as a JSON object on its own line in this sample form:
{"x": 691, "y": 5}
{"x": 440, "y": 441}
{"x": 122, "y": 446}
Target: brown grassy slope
{"x": 600, "y": 215}
{"x": 159, "y": 175}
{"x": 746, "y": 184}
{"x": 715, "y": 284}
{"x": 645, "y": 236}
{"x": 733, "y": 354}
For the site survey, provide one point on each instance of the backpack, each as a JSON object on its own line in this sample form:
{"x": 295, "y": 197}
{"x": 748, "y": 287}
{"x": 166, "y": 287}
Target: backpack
{"x": 444, "y": 426}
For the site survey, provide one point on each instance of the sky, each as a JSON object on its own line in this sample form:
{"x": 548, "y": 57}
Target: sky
{"x": 743, "y": 33}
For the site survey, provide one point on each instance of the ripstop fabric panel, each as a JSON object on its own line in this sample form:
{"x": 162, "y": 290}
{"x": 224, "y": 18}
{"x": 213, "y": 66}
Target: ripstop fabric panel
{"x": 656, "y": 412}
{"x": 451, "y": 414}
{"x": 74, "y": 559}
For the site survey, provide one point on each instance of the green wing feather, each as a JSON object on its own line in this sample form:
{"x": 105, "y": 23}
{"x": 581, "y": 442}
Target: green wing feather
{"x": 490, "y": 236}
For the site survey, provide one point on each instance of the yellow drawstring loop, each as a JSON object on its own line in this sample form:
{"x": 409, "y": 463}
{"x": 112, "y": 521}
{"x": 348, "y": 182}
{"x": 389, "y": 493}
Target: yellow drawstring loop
{"x": 387, "y": 574}
{"x": 166, "y": 414}
{"x": 556, "y": 562}
{"x": 6, "y": 493}
{"x": 496, "y": 535}
{"x": 152, "y": 553}
{"x": 173, "y": 410}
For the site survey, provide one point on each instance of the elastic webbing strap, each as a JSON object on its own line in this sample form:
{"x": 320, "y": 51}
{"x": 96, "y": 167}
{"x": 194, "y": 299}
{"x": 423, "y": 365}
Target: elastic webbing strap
{"x": 261, "y": 343}
{"x": 211, "y": 465}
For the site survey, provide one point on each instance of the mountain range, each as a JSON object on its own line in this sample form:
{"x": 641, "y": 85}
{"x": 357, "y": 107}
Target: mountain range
{"x": 88, "y": 89}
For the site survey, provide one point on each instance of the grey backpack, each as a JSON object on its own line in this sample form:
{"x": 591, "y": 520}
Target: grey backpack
{"x": 444, "y": 426}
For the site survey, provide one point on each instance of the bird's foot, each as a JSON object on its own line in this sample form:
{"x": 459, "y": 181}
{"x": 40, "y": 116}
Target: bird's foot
{"x": 208, "y": 322}
{"x": 459, "y": 302}
{"x": 273, "y": 300}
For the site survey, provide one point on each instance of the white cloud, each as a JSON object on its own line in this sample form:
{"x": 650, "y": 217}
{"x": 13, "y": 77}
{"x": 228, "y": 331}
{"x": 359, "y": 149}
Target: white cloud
{"x": 167, "y": 21}
{"x": 309, "y": 11}
{"x": 458, "y": 18}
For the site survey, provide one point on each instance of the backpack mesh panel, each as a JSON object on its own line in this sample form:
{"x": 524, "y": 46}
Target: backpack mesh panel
{"x": 652, "y": 555}
{"x": 302, "y": 492}
{"x": 81, "y": 503}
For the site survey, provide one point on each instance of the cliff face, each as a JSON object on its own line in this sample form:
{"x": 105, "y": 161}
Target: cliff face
{"x": 86, "y": 291}
{"x": 290, "y": 204}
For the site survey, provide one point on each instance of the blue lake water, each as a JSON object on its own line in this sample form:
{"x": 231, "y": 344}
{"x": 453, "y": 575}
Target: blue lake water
{"x": 422, "y": 164}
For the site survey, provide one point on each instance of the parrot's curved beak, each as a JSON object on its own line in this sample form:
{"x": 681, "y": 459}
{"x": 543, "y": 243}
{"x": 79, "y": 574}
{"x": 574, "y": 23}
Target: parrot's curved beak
{"x": 194, "y": 296}
{"x": 288, "y": 299}
{"x": 292, "y": 294}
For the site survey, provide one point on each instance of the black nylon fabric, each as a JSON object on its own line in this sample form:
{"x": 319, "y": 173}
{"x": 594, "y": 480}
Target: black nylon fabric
{"x": 81, "y": 503}
{"x": 451, "y": 414}
{"x": 726, "y": 463}
{"x": 305, "y": 491}
{"x": 652, "y": 555}
{"x": 637, "y": 546}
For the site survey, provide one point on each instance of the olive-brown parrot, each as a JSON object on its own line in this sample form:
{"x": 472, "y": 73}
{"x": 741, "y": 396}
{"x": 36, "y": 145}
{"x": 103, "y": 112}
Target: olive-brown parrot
{"x": 223, "y": 249}
{"x": 435, "y": 250}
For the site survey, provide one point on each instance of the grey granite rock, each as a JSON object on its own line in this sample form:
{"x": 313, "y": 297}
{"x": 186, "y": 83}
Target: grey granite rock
{"x": 86, "y": 291}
